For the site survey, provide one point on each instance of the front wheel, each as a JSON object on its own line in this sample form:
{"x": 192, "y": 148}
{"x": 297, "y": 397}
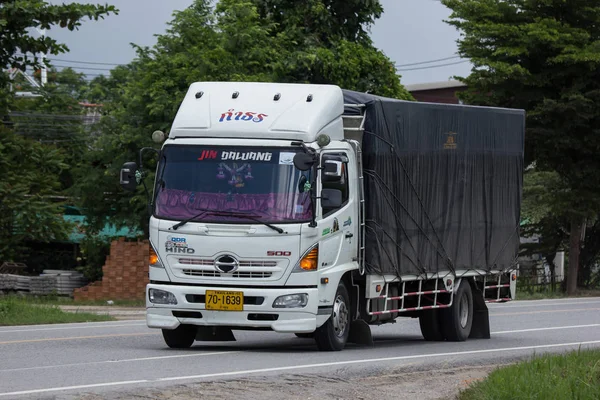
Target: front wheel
{"x": 333, "y": 334}
{"x": 180, "y": 338}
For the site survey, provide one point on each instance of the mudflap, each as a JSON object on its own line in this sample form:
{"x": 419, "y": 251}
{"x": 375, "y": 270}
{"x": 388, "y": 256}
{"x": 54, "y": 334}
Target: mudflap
{"x": 360, "y": 333}
{"x": 214, "y": 334}
{"x": 481, "y": 318}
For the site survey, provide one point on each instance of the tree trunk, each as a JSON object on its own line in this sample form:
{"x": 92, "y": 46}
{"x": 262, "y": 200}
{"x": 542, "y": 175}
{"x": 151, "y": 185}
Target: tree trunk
{"x": 552, "y": 266}
{"x": 574, "y": 249}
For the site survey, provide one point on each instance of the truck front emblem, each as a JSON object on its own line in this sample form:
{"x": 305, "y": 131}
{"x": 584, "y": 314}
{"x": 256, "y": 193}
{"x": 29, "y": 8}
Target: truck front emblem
{"x": 226, "y": 264}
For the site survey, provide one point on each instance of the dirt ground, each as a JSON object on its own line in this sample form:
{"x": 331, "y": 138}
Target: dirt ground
{"x": 438, "y": 384}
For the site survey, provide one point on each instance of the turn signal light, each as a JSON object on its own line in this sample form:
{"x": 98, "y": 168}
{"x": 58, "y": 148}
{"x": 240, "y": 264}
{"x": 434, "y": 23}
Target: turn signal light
{"x": 153, "y": 258}
{"x": 310, "y": 262}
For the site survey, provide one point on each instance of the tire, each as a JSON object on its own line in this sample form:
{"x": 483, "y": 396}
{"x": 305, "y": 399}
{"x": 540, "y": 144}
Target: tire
{"x": 457, "y": 320}
{"x": 429, "y": 321}
{"x": 333, "y": 334}
{"x": 309, "y": 335}
{"x": 180, "y": 338}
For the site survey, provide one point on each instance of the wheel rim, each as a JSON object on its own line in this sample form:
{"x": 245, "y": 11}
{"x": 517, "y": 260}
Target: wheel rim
{"x": 340, "y": 316}
{"x": 464, "y": 311}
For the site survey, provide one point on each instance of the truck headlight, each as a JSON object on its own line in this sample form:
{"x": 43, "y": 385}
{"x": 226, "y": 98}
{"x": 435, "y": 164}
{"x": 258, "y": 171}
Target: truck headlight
{"x": 158, "y": 296}
{"x": 298, "y": 300}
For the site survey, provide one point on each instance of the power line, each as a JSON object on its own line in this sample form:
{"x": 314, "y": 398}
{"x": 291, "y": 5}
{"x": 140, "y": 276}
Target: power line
{"x": 427, "y": 62}
{"x": 89, "y": 68}
{"x": 84, "y": 62}
{"x": 433, "y": 66}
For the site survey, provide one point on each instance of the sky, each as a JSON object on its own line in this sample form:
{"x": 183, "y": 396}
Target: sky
{"x": 409, "y": 32}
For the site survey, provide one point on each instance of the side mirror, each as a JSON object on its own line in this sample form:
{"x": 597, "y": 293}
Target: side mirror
{"x": 332, "y": 171}
{"x": 127, "y": 178}
{"x": 331, "y": 198}
{"x": 303, "y": 161}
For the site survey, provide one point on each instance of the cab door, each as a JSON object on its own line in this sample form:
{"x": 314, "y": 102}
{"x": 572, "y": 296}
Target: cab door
{"x": 338, "y": 226}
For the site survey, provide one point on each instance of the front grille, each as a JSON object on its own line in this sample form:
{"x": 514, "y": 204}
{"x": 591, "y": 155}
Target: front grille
{"x": 242, "y": 263}
{"x": 220, "y": 267}
{"x": 215, "y": 274}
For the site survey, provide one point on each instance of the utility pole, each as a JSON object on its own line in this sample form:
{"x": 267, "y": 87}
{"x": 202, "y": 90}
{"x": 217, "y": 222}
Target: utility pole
{"x": 44, "y": 79}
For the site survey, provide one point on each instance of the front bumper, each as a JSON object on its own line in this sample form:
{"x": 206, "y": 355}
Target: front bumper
{"x": 294, "y": 320}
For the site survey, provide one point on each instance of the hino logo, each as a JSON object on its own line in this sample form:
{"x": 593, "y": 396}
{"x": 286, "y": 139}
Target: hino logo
{"x": 226, "y": 264}
{"x": 185, "y": 250}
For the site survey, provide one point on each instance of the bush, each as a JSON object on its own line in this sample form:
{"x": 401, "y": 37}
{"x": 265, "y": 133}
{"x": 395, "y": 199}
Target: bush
{"x": 94, "y": 251}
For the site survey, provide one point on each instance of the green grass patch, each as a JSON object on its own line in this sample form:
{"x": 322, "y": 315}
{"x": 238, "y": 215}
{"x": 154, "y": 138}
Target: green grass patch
{"x": 541, "y": 295}
{"x": 67, "y": 301}
{"x": 14, "y": 311}
{"x": 574, "y": 375}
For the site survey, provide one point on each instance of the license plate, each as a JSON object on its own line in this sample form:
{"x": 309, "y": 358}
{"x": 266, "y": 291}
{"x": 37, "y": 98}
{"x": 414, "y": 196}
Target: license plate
{"x": 224, "y": 301}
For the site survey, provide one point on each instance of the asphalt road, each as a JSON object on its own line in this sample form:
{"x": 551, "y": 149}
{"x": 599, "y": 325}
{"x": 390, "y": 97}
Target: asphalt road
{"x": 67, "y": 360}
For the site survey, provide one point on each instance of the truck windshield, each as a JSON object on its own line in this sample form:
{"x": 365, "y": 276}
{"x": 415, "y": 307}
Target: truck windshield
{"x": 256, "y": 181}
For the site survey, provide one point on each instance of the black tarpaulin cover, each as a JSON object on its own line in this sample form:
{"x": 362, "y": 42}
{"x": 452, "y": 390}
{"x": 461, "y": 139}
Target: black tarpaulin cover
{"x": 443, "y": 185}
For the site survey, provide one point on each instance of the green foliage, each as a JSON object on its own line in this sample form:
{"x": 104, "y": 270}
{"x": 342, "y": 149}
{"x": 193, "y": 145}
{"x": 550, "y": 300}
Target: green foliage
{"x": 235, "y": 41}
{"x": 18, "y": 17}
{"x": 56, "y": 118}
{"x": 29, "y": 172}
{"x": 18, "y": 43}
{"x": 575, "y": 375}
{"x": 322, "y": 21}
{"x": 544, "y": 57}
{"x": 94, "y": 251}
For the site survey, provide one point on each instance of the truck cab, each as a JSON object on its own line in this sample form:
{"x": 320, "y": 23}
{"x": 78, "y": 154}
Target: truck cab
{"x": 255, "y": 215}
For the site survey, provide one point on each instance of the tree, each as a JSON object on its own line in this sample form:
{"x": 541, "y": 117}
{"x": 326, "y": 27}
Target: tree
{"x": 231, "y": 42}
{"x": 322, "y": 21}
{"x": 19, "y": 48}
{"x": 29, "y": 172}
{"x": 544, "y": 57}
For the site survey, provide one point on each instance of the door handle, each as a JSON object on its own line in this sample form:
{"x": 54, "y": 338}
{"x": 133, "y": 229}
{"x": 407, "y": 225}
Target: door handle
{"x": 349, "y": 235}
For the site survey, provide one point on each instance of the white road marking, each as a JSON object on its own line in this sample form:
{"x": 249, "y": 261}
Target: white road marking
{"x": 295, "y": 367}
{"x": 520, "y": 305}
{"x": 72, "y": 327}
{"x": 120, "y": 361}
{"x": 547, "y": 329}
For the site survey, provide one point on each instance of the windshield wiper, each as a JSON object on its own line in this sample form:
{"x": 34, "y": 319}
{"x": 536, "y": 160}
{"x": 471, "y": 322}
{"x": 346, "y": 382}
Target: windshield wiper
{"x": 185, "y": 221}
{"x": 227, "y": 214}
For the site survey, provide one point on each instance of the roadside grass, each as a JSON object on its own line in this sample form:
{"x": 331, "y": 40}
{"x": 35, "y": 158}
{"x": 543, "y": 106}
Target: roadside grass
{"x": 67, "y": 301}
{"x": 15, "y": 311}
{"x": 547, "y": 294}
{"x": 574, "y": 375}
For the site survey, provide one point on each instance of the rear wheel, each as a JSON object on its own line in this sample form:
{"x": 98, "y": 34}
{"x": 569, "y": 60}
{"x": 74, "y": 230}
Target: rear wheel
{"x": 333, "y": 334}
{"x": 429, "y": 322}
{"x": 457, "y": 320}
{"x": 180, "y": 338}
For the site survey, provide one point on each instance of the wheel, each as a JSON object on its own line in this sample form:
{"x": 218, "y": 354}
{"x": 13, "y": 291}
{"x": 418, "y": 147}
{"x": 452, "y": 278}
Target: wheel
{"x": 429, "y": 321}
{"x": 305, "y": 335}
{"x": 457, "y": 320}
{"x": 333, "y": 334}
{"x": 180, "y": 338}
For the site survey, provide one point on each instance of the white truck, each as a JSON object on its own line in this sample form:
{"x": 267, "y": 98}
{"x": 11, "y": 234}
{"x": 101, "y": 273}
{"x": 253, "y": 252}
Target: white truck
{"x": 313, "y": 210}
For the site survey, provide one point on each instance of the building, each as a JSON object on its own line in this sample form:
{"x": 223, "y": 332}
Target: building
{"x": 437, "y": 92}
